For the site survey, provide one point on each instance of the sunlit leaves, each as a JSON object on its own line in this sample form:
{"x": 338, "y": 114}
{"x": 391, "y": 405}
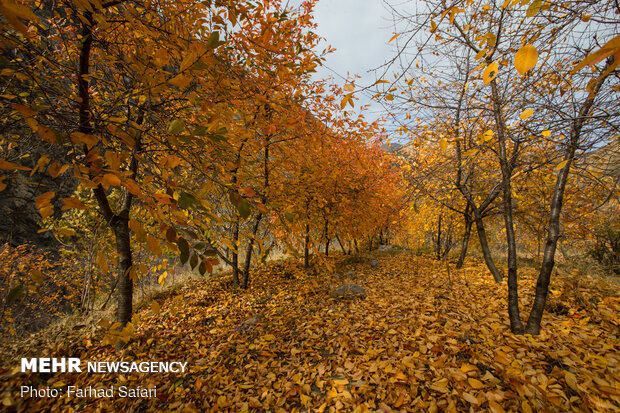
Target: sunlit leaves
{"x": 612, "y": 47}
{"x": 561, "y": 165}
{"x": 526, "y": 58}
{"x": 109, "y": 180}
{"x": 12, "y": 166}
{"x": 73, "y": 203}
{"x": 490, "y": 73}
{"x": 533, "y": 8}
{"x": 393, "y": 37}
{"x": 43, "y": 203}
{"x": 443, "y": 144}
{"x": 348, "y": 98}
{"x": 526, "y": 114}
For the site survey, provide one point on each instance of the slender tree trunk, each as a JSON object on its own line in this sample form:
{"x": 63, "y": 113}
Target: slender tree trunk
{"x": 553, "y": 230}
{"x": 357, "y": 249}
{"x": 235, "y": 252}
{"x": 125, "y": 283}
{"x": 466, "y": 235}
{"x": 507, "y": 167}
{"x": 486, "y": 251}
{"x": 248, "y": 252}
{"x": 118, "y": 222}
{"x": 326, "y": 233}
{"x": 307, "y": 247}
{"x": 438, "y": 242}
{"x": 344, "y": 251}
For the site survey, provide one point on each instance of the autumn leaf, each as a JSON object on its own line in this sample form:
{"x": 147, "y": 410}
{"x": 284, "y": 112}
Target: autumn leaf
{"x": 526, "y": 58}
{"x": 526, "y": 114}
{"x": 490, "y": 72}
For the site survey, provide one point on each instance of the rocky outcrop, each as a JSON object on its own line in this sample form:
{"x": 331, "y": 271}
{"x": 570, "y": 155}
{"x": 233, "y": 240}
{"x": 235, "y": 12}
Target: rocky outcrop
{"x": 348, "y": 292}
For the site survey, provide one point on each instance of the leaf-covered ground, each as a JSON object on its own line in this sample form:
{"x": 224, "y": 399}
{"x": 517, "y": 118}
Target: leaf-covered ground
{"x": 424, "y": 339}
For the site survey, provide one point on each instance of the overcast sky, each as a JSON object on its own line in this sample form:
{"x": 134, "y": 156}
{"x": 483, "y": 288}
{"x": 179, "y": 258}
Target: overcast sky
{"x": 359, "y": 30}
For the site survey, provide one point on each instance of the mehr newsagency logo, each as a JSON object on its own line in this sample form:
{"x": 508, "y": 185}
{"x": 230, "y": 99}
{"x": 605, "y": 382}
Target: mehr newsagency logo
{"x": 75, "y": 365}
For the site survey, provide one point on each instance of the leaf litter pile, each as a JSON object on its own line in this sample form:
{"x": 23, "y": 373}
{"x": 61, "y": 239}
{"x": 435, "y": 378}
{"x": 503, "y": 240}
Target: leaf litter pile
{"x": 427, "y": 337}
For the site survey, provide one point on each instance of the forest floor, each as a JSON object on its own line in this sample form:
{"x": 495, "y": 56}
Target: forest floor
{"x": 426, "y": 338}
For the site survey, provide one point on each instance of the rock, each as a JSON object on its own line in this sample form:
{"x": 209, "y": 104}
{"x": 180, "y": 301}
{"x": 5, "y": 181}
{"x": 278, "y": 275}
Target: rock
{"x": 355, "y": 259}
{"x": 374, "y": 263}
{"x": 348, "y": 292}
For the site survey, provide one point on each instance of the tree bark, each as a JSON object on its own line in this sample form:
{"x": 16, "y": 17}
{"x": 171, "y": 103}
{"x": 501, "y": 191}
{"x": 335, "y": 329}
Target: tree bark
{"x": 466, "y": 235}
{"x": 507, "y": 167}
{"x": 235, "y": 252}
{"x": 307, "y": 247}
{"x": 553, "y": 230}
{"x": 486, "y": 251}
{"x": 438, "y": 242}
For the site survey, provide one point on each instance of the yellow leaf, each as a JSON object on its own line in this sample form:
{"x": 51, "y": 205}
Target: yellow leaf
{"x": 155, "y": 307}
{"x": 526, "y": 58}
{"x": 475, "y": 383}
{"x": 109, "y": 180}
{"x": 44, "y": 199}
{"x": 571, "y": 380}
{"x": 346, "y": 99}
{"x": 83, "y": 139}
{"x": 381, "y": 81}
{"x": 10, "y": 165}
{"x": 443, "y": 144}
{"x": 433, "y": 27}
{"x": 481, "y": 54}
{"x": 56, "y": 169}
{"x": 534, "y": 8}
{"x": 389, "y": 97}
{"x": 496, "y": 407}
{"x": 36, "y": 276}
{"x": 525, "y": 406}
{"x": 546, "y": 133}
{"x": 561, "y": 165}
{"x": 46, "y": 134}
{"x": 490, "y": 72}
{"x": 465, "y": 368}
{"x": 73, "y": 203}
{"x": 305, "y": 400}
{"x": 2, "y": 184}
{"x": 470, "y": 398}
{"x": 269, "y": 337}
{"x": 393, "y": 37}
{"x": 349, "y": 87}
{"x": 526, "y": 114}
{"x": 609, "y": 48}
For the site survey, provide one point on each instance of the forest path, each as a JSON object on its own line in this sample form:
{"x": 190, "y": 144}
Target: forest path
{"x": 421, "y": 340}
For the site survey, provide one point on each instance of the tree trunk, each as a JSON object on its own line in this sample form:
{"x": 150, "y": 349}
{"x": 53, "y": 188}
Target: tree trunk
{"x": 344, "y": 251}
{"x": 465, "y": 243}
{"x": 248, "y": 253}
{"x": 235, "y": 252}
{"x": 125, "y": 273}
{"x": 326, "y": 233}
{"x": 507, "y": 167}
{"x": 486, "y": 251}
{"x": 307, "y": 247}
{"x": 553, "y": 230}
{"x": 438, "y": 243}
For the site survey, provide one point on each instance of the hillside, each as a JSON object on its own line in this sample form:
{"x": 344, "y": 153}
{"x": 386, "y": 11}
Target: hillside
{"x": 427, "y": 337}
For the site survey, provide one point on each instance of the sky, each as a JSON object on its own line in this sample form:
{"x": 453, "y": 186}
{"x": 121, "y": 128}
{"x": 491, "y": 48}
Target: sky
{"x": 360, "y": 31}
